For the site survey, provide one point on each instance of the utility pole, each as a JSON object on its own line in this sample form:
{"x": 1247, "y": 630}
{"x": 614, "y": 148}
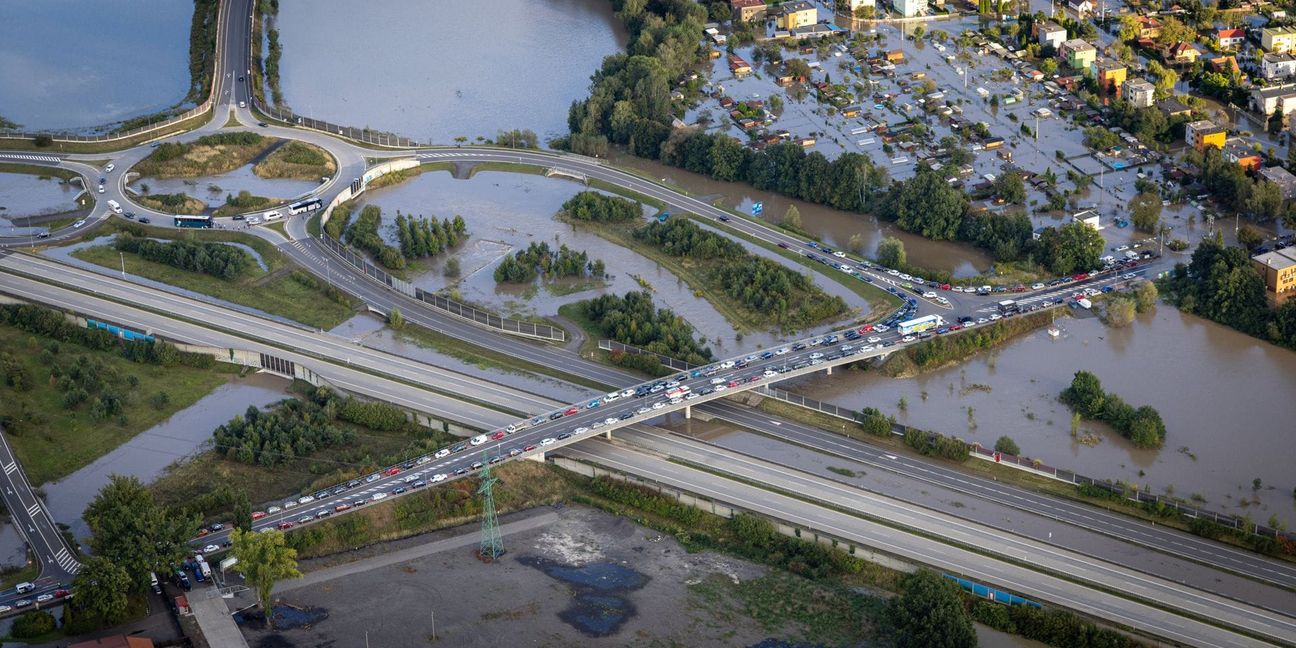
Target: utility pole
{"x": 491, "y": 547}
{"x": 123, "y": 263}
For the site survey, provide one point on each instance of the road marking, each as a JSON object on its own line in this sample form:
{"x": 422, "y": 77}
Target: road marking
{"x": 13, "y": 465}
{"x": 33, "y": 510}
{"x": 31, "y": 158}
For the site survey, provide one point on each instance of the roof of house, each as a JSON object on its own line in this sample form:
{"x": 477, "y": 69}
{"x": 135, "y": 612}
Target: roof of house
{"x": 1149, "y": 22}
{"x": 1278, "y": 57}
{"x": 1239, "y": 149}
{"x": 742, "y": 4}
{"x": 1050, "y": 27}
{"x": 1108, "y": 65}
{"x": 1230, "y": 33}
{"x": 1281, "y": 177}
{"x": 116, "y": 641}
{"x": 1279, "y": 31}
{"x": 1223, "y": 64}
{"x": 1137, "y": 83}
{"x": 1275, "y": 91}
{"x": 1201, "y": 125}
{"x": 797, "y": 5}
{"x": 1278, "y": 259}
{"x": 1077, "y": 45}
{"x": 1179, "y": 49}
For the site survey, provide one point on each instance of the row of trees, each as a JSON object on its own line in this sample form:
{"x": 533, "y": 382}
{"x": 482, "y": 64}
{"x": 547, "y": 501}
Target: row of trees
{"x": 1229, "y": 184}
{"x": 633, "y": 320}
{"x": 216, "y": 259}
{"x": 1221, "y": 284}
{"x": 294, "y": 428}
{"x": 539, "y": 259}
{"x": 52, "y": 324}
{"x": 426, "y": 237}
{"x": 1141, "y": 425}
{"x": 681, "y": 237}
{"x": 594, "y": 206}
{"x": 363, "y": 234}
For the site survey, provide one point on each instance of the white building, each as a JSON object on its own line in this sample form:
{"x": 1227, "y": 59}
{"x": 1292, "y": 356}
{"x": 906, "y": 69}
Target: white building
{"x": 1088, "y": 217}
{"x": 1139, "y": 92}
{"x": 910, "y": 8}
{"x": 1277, "y": 66}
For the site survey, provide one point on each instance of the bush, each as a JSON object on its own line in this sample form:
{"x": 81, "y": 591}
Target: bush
{"x": 33, "y": 624}
{"x": 427, "y": 237}
{"x": 594, "y": 206}
{"x": 216, "y": 259}
{"x": 633, "y": 320}
{"x": 873, "y": 421}
{"x": 43, "y": 140}
{"x": 363, "y": 234}
{"x": 1143, "y": 425}
{"x": 1006, "y": 445}
{"x": 934, "y": 444}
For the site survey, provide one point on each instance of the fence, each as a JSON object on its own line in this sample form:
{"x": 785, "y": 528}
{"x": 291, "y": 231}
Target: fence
{"x": 1025, "y": 463}
{"x": 377, "y": 138}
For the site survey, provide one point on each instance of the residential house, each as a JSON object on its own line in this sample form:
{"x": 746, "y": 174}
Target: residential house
{"x": 1279, "y": 271}
{"x": 798, "y": 14}
{"x": 1227, "y": 39}
{"x": 1173, "y": 108}
{"x": 738, "y": 65}
{"x": 1240, "y": 153}
{"x": 1078, "y": 54}
{"x": 748, "y": 10}
{"x": 813, "y": 31}
{"x": 1281, "y": 98}
{"x": 1110, "y": 75}
{"x": 115, "y": 641}
{"x": 1226, "y": 65}
{"x": 1201, "y": 133}
{"x": 910, "y": 8}
{"x": 1050, "y": 33}
{"x": 1182, "y": 53}
{"x": 895, "y": 56}
{"x": 1283, "y": 178}
{"x": 1149, "y": 27}
{"x": 1278, "y": 39}
{"x": 1088, "y": 217}
{"x": 852, "y": 5}
{"x": 1080, "y": 8}
{"x": 1277, "y": 66}
{"x": 1139, "y": 92}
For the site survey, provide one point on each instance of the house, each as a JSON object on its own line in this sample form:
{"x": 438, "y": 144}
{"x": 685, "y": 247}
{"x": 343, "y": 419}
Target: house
{"x": 1050, "y": 33}
{"x": 1278, "y": 39}
{"x": 1182, "y": 53}
{"x": 115, "y": 641}
{"x": 748, "y": 10}
{"x": 1110, "y": 75}
{"x": 1139, "y": 92}
{"x": 813, "y": 31}
{"x": 1243, "y": 155}
{"x": 852, "y": 5}
{"x": 1227, "y": 39}
{"x": 1080, "y": 8}
{"x": 910, "y": 8}
{"x": 1149, "y": 27}
{"x": 738, "y": 65}
{"x": 1173, "y": 108}
{"x": 1039, "y": 232}
{"x": 1283, "y": 178}
{"x": 1201, "y": 133}
{"x": 1078, "y": 54}
{"x": 1277, "y": 66}
{"x": 895, "y": 56}
{"x": 1279, "y": 271}
{"x": 1281, "y": 98}
{"x": 798, "y": 14}
{"x": 1088, "y": 217}
{"x": 1224, "y": 65}
{"x": 715, "y": 36}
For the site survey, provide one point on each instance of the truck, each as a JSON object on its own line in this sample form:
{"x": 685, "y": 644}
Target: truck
{"x": 918, "y": 325}
{"x": 203, "y": 566}
{"x": 114, "y": 206}
{"x": 1008, "y": 306}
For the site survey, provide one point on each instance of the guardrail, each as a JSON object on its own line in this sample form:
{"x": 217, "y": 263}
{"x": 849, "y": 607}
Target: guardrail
{"x": 1036, "y": 466}
{"x": 368, "y": 136}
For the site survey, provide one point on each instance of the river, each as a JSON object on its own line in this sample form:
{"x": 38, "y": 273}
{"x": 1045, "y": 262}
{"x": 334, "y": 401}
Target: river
{"x": 439, "y": 70}
{"x": 82, "y": 63}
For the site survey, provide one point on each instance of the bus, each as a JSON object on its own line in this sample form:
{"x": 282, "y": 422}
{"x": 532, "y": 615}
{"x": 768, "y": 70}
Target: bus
{"x": 925, "y": 323}
{"x": 304, "y": 206}
{"x": 203, "y": 222}
{"x": 1008, "y": 306}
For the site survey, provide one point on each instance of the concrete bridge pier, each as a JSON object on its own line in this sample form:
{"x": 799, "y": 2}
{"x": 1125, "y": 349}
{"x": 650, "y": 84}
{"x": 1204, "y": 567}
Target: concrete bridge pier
{"x": 688, "y": 412}
{"x": 608, "y": 435}
{"x": 828, "y": 371}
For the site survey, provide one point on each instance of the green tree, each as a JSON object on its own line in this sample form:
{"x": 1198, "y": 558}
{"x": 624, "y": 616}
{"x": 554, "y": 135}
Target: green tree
{"x": 34, "y": 623}
{"x": 243, "y": 511}
{"x": 792, "y": 217}
{"x": 263, "y": 559}
{"x": 1145, "y": 296}
{"x": 1249, "y": 237}
{"x": 926, "y": 204}
{"x": 395, "y": 319}
{"x": 1165, "y": 78}
{"x": 1010, "y": 187}
{"x": 1174, "y": 31}
{"x": 1264, "y": 201}
{"x": 452, "y": 267}
{"x": 1048, "y": 66}
{"x": 1120, "y": 311}
{"x": 1129, "y": 27}
{"x": 856, "y": 243}
{"x": 929, "y": 613}
{"x": 1145, "y": 211}
{"x": 1006, "y": 445}
{"x": 1075, "y": 247}
{"x": 130, "y": 530}
{"x": 891, "y": 252}
{"x": 101, "y": 590}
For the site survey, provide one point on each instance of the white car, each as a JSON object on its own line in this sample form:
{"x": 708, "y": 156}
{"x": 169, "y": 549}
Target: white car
{"x": 80, "y": 222}
{"x": 770, "y": 373}
{"x": 409, "y": 479}
{"x": 442, "y": 453}
{"x": 893, "y": 272}
{"x": 839, "y": 254}
{"x": 727, "y": 364}
{"x": 272, "y": 510}
{"x": 611, "y": 420}
{"x": 690, "y": 396}
{"x": 627, "y": 393}
{"x": 611, "y": 397}
{"x": 929, "y": 295}
{"x": 717, "y": 381}
{"x": 101, "y": 189}
{"x": 781, "y": 351}
{"x": 547, "y": 441}
{"x": 718, "y": 388}
{"x": 881, "y": 328}
{"x": 873, "y": 339}
{"x": 816, "y": 355}
{"x": 908, "y": 338}
{"x": 378, "y": 496}
{"x": 905, "y": 277}
{"x": 290, "y": 504}
{"x": 1037, "y": 286}
{"x": 660, "y": 404}
{"x": 676, "y": 401}
{"x": 109, "y": 168}
{"x": 995, "y": 316}
{"x": 477, "y": 440}
{"x": 44, "y": 598}
{"x": 422, "y": 460}
{"x": 580, "y": 430}
{"x": 5, "y": 608}
{"x": 866, "y": 348}
{"x": 1122, "y": 248}
{"x": 941, "y": 300}
{"x": 982, "y": 320}
{"x": 211, "y": 548}
{"x": 439, "y": 477}
{"x": 513, "y": 428}
{"x": 643, "y": 410}
{"x": 596, "y": 425}
{"x": 305, "y": 499}
{"x": 957, "y": 288}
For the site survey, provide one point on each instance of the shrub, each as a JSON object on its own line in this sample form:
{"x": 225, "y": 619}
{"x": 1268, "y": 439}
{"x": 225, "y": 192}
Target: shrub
{"x": 632, "y": 319}
{"x": 1143, "y": 425}
{"x": 875, "y": 422}
{"x": 1006, "y": 445}
{"x": 594, "y": 206}
{"x": 33, "y": 624}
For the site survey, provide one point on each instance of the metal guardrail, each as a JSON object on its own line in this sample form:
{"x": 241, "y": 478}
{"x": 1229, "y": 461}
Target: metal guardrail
{"x": 1130, "y": 493}
{"x": 368, "y": 136}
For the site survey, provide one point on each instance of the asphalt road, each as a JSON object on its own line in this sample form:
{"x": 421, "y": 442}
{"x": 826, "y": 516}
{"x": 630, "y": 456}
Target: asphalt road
{"x": 976, "y": 566}
{"x": 58, "y": 565}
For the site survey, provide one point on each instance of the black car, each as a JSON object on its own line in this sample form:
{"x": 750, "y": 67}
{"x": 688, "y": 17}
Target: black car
{"x": 144, "y": 219}
{"x": 263, "y": 124}
{"x": 552, "y": 417}
{"x": 353, "y": 483}
{"x": 461, "y": 471}
{"x": 238, "y": 217}
{"x": 627, "y": 415}
{"x": 130, "y": 215}
{"x": 564, "y": 436}
{"x": 724, "y": 219}
{"x": 798, "y": 346}
{"x": 398, "y": 490}
{"x": 458, "y": 448}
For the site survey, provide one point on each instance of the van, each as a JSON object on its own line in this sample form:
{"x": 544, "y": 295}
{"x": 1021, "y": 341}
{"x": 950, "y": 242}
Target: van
{"x": 23, "y": 588}
{"x": 271, "y": 216}
{"x": 153, "y": 582}
{"x": 112, "y": 204}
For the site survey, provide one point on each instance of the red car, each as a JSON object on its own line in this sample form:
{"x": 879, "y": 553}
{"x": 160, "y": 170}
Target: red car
{"x": 341, "y": 507}
{"x": 733, "y": 383}
{"x": 284, "y": 526}
{"x": 203, "y": 532}
{"x": 529, "y": 448}
{"x": 867, "y": 328}
{"x": 570, "y": 411}
{"x": 257, "y": 515}
{"x": 394, "y": 470}
{"x": 944, "y": 286}
{"x": 498, "y": 435}
{"x": 1081, "y": 276}
{"x": 62, "y": 593}
{"x": 956, "y": 327}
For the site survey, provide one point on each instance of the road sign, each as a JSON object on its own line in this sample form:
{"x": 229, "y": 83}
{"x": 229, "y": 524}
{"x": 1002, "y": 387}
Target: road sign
{"x": 758, "y": 208}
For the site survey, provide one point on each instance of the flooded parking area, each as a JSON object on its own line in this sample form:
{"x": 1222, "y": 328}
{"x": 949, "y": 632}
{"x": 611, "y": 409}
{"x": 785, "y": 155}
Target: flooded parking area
{"x": 101, "y": 70}
{"x": 445, "y": 69}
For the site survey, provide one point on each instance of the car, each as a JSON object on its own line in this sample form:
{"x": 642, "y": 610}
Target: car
{"x": 839, "y": 254}
{"x": 242, "y": 104}
{"x": 995, "y": 316}
{"x": 570, "y": 411}
{"x": 424, "y": 459}
{"x": 659, "y": 405}
{"x": 610, "y": 420}
{"x": 439, "y": 477}
{"x": 398, "y": 490}
{"x": 781, "y": 351}
{"x": 410, "y": 479}
{"x": 497, "y": 435}
{"x": 378, "y": 496}
{"x": 496, "y": 459}
{"x": 514, "y": 427}
{"x": 5, "y": 608}
{"x": 211, "y": 548}
{"x": 216, "y": 527}
{"x": 594, "y": 403}
{"x": 263, "y": 124}
{"x": 816, "y": 355}
{"x": 908, "y": 338}
{"x": 580, "y": 430}
{"x": 257, "y": 515}
{"x": 770, "y": 373}
{"x": 101, "y": 188}
{"x": 459, "y": 447}
{"x": 305, "y": 518}
{"x": 273, "y": 509}
{"x": 873, "y": 339}
{"x": 372, "y": 478}
{"x": 461, "y": 471}
{"x": 418, "y": 484}
{"x": 284, "y": 526}
{"x": 555, "y": 416}
{"x": 44, "y": 598}
{"x": 1037, "y": 286}
{"x": 547, "y": 441}
{"x": 929, "y": 295}
{"x": 442, "y": 453}
{"x": 783, "y": 245}
{"x": 611, "y": 397}
{"x": 79, "y": 223}
{"x": 144, "y": 219}
{"x": 394, "y": 470}
{"x": 477, "y": 440}
{"x": 342, "y": 507}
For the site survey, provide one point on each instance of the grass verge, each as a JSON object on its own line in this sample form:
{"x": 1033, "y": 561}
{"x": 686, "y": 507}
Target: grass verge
{"x": 176, "y": 203}
{"x": 209, "y": 155}
{"x": 486, "y": 358}
{"x": 298, "y": 161}
{"x": 24, "y": 144}
{"x": 54, "y": 440}
{"x": 397, "y": 177}
{"x": 37, "y": 170}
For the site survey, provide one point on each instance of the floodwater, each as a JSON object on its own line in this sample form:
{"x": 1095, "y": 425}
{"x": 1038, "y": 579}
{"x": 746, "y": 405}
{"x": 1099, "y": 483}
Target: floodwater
{"x": 826, "y": 224}
{"x": 22, "y": 194}
{"x": 1224, "y": 398}
{"x": 213, "y": 189}
{"x": 13, "y": 551}
{"x": 146, "y": 455}
{"x": 505, "y": 212}
{"x": 599, "y": 605}
{"x": 84, "y": 63}
{"x": 439, "y": 70}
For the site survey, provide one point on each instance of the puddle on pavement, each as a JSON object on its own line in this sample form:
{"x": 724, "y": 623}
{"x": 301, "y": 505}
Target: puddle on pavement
{"x": 599, "y": 606}
{"x": 286, "y": 617}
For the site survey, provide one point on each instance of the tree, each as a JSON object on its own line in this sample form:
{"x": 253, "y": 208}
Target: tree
{"x": 1006, "y": 445}
{"x": 929, "y": 613}
{"x": 101, "y": 589}
{"x": 1074, "y": 246}
{"x": 34, "y": 623}
{"x": 1145, "y": 296}
{"x": 1264, "y": 201}
{"x": 1130, "y": 27}
{"x": 1048, "y": 66}
{"x": 132, "y": 531}
{"x": 243, "y": 511}
{"x": 1166, "y": 78}
{"x": 1145, "y": 211}
{"x": 1174, "y": 31}
{"x": 1120, "y": 311}
{"x": 452, "y": 267}
{"x": 891, "y": 252}
{"x": 263, "y": 559}
{"x": 792, "y": 217}
{"x": 1010, "y": 187}
{"x": 797, "y": 68}
{"x": 856, "y": 243}
{"x": 43, "y": 141}
{"x": 395, "y": 319}
{"x": 1249, "y": 237}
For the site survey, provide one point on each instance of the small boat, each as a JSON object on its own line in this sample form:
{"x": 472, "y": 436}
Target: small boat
{"x": 1054, "y": 332}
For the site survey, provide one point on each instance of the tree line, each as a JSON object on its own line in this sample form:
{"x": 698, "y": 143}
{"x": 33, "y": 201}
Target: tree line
{"x": 427, "y": 237}
{"x": 216, "y": 259}
{"x": 539, "y": 259}
{"x": 292, "y": 429}
{"x": 363, "y": 235}
{"x": 1141, "y": 425}
{"x": 52, "y": 324}
{"x": 633, "y": 320}
{"x": 596, "y": 207}
{"x": 1221, "y": 284}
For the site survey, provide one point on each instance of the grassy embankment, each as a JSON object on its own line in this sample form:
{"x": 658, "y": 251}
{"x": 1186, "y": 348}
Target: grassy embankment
{"x": 175, "y": 203}
{"x": 282, "y": 290}
{"x": 206, "y": 156}
{"x": 53, "y": 440}
{"x": 488, "y": 358}
{"x": 297, "y": 161}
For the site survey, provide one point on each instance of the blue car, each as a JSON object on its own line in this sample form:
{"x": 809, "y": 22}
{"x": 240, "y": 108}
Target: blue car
{"x": 592, "y": 404}
{"x": 767, "y": 355}
{"x": 696, "y": 373}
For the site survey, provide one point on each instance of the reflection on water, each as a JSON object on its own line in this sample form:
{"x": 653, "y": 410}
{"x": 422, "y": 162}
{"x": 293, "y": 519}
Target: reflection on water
{"x": 1224, "y": 397}
{"x": 146, "y": 455}
{"x": 80, "y": 63}
{"x": 515, "y": 64}
{"x": 214, "y": 189}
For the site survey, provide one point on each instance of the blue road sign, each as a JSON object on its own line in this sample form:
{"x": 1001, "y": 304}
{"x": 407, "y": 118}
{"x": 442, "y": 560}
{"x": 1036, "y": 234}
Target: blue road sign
{"x": 758, "y": 208}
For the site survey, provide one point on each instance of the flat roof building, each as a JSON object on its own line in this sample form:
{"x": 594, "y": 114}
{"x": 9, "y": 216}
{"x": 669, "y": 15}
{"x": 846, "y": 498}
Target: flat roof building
{"x": 1278, "y": 268}
{"x": 1283, "y": 178}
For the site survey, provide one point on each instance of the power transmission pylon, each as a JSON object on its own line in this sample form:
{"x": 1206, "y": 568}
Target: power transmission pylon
{"x": 491, "y": 547}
